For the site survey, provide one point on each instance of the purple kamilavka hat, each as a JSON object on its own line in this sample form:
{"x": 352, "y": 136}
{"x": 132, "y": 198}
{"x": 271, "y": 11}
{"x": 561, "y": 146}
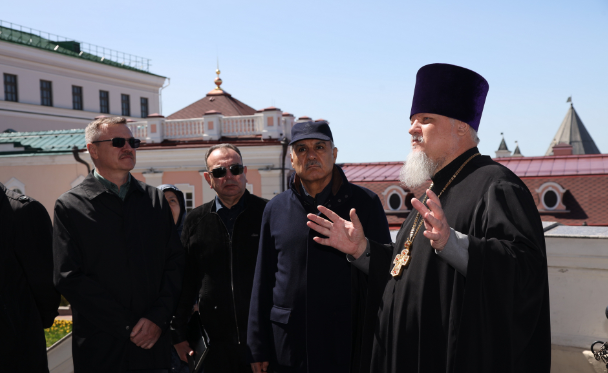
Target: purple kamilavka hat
{"x": 452, "y": 91}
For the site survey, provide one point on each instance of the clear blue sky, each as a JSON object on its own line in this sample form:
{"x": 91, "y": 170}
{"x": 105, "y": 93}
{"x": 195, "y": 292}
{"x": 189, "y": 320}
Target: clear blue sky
{"x": 354, "y": 63}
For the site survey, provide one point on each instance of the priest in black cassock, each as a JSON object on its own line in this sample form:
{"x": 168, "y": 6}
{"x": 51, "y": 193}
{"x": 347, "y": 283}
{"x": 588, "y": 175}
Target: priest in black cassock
{"x": 464, "y": 288}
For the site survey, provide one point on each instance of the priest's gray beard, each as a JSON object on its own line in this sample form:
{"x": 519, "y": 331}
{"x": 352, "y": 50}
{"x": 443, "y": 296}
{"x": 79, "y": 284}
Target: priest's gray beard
{"x": 417, "y": 169}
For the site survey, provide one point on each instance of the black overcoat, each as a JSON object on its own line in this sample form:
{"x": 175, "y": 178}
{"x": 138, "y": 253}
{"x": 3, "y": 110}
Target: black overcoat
{"x": 303, "y": 303}
{"x": 116, "y": 262}
{"x": 224, "y": 266}
{"x": 28, "y": 299}
{"x": 432, "y": 319}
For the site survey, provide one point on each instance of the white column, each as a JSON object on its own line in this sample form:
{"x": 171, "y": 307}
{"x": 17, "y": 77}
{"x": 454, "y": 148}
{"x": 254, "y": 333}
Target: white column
{"x": 153, "y": 178}
{"x": 271, "y": 183}
{"x": 208, "y": 192}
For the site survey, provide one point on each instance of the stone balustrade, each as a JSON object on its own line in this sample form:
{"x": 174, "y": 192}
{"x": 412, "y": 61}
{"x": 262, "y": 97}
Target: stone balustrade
{"x": 270, "y": 123}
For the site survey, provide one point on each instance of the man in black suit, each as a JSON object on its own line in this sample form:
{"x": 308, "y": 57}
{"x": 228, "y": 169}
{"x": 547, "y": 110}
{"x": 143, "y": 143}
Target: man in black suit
{"x": 118, "y": 260}
{"x": 28, "y": 299}
{"x": 221, "y": 240}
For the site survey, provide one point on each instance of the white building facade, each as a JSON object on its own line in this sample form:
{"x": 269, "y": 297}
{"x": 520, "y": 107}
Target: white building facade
{"x": 49, "y": 84}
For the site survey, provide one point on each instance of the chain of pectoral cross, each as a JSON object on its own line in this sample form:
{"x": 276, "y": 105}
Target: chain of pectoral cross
{"x": 402, "y": 260}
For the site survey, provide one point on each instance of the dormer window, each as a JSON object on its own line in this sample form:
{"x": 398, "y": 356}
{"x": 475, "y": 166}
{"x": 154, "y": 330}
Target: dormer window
{"x": 551, "y": 196}
{"x": 397, "y": 200}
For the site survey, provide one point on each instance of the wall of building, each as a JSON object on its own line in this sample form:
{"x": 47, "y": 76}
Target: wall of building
{"x": 32, "y": 65}
{"x": 43, "y": 182}
{"x": 45, "y": 178}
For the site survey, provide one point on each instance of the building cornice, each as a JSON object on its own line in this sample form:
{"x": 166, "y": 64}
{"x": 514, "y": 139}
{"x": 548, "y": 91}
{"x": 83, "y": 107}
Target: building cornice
{"x": 24, "y": 56}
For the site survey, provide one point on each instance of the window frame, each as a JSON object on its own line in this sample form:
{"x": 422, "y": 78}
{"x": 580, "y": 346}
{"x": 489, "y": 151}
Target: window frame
{"x": 185, "y": 189}
{"x": 14, "y": 85}
{"x": 125, "y": 105}
{"x": 46, "y": 99}
{"x": 146, "y": 112}
{"x": 77, "y": 98}
{"x": 101, "y": 102}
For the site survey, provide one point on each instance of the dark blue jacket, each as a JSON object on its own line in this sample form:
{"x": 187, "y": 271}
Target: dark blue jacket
{"x": 300, "y": 314}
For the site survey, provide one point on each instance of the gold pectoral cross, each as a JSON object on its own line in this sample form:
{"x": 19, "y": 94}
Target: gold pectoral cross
{"x": 401, "y": 260}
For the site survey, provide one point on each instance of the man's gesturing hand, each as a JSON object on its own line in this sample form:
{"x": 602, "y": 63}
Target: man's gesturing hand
{"x": 145, "y": 333}
{"x": 435, "y": 223}
{"x": 259, "y": 367}
{"x": 183, "y": 350}
{"x": 346, "y": 236}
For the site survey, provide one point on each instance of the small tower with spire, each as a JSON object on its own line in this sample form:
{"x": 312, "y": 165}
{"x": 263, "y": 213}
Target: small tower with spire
{"x": 572, "y": 132}
{"x": 503, "y": 151}
{"x": 517, "y": 152}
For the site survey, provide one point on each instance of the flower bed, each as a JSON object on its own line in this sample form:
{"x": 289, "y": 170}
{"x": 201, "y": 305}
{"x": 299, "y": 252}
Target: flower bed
{"x": 59, "y": 330}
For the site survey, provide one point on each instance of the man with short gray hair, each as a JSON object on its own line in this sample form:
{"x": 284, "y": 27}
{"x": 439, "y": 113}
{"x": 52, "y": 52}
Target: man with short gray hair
{"x": 303, "y": 305}
{"x": 118, "y": 260}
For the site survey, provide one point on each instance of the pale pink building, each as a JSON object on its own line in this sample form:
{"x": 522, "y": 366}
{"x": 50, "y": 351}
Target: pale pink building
{"x": 43, "y": 166}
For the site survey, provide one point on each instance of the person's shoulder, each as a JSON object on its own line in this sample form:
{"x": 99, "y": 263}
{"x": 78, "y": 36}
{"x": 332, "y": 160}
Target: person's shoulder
{"x": 256, "y": 201}
{"x": 199, "y": 212}
{"x": 279, "y": 200}
{"x": 361, "y": 192}
{"x": 496, "y": 174}
{"x": 488, "y": 167}
{"x": 76, "y": 192}
{"x": 148, "y": 189}
{"x": 22, "y": 203}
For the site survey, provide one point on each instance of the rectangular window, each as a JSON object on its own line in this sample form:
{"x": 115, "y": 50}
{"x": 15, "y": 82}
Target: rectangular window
{"x": 104, "y": 102}
{"x": 126, "y": 105}
{"x": 46, "y": 93}
{"x": 189, "y": 201}
{"x": 77, "y": 97}
{"x": 10, "y": 88}
{"x": 144, "y": 107}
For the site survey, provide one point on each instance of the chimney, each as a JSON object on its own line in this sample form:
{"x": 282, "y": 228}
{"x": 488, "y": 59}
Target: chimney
{"x": 562, "y": 149}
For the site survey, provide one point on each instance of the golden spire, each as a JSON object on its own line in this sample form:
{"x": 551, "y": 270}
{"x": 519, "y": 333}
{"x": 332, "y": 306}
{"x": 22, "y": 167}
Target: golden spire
{"x": 218, "y": 80}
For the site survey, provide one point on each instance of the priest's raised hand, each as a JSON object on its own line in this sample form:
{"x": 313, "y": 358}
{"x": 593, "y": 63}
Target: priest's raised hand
{"x": 346, "y": 236}
{"x": 436, "y": 226}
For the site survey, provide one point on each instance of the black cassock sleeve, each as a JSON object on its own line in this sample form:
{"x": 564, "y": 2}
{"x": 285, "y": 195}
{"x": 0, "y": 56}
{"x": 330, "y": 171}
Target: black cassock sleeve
{"x": 505, "y": 315}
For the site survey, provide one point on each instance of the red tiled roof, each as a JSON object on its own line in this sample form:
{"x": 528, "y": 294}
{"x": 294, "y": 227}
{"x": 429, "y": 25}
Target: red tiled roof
{"x": 374, "y": 171}
{"x": 583, "y": 176}
{"x": 218, "y": 100}
{"x": 565, "y": 165}
{"x": 588, "y": 164}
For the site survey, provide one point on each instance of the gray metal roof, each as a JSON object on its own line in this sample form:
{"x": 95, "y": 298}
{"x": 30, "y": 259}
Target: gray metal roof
{"x": 547, "y": 225}
{"x": 577, "y": 232}
{"x": 572, "y": 131}
{"x": 42, "y": 142}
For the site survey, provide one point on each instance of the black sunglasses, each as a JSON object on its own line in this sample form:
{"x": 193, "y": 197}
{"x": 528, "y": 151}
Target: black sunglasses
{"x": 235, "y": 169}
{"x": 119, "y": 142}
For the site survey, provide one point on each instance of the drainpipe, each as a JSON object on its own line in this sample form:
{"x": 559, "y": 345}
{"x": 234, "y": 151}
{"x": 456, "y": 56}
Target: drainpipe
{"x": 160, "y": 96}
{"x": 80, "y": 160}
{"x": 284, "y": 154}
